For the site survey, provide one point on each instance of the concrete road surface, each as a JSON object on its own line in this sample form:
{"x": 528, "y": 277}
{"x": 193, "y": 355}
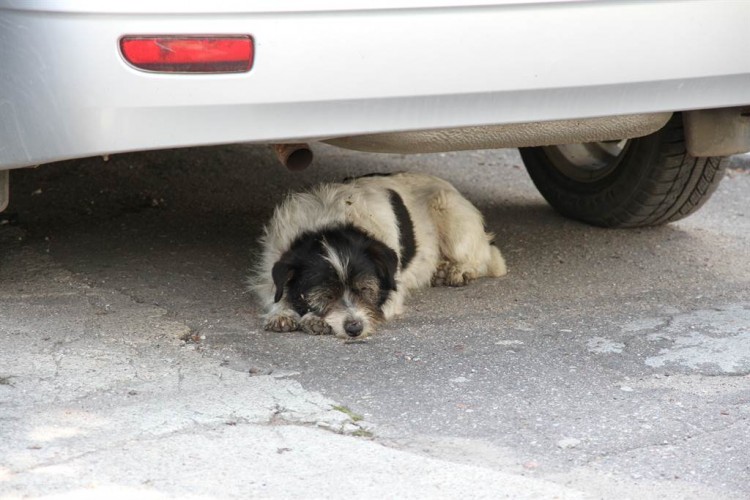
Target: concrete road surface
{"x": 607, "y": 364}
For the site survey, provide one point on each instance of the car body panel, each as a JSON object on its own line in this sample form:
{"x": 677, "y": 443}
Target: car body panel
{"x": 335, "y": 69}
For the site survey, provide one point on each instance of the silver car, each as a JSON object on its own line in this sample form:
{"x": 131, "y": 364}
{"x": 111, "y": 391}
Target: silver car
{"x": 623, "y": 109}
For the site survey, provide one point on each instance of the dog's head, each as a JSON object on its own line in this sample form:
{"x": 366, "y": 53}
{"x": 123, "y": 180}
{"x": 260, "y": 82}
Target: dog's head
{"x": 341, "y": 275}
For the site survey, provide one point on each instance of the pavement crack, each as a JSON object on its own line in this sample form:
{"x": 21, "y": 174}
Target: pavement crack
{"x": 132, "y": 365}
{"x": 57, "y": 357}
{"x": 673, "y": 442}
{"x": 66, "y": 460}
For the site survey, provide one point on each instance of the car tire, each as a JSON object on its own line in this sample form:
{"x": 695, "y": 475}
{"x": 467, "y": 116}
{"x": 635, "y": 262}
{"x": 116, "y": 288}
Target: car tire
{"x": 646, "y": 181}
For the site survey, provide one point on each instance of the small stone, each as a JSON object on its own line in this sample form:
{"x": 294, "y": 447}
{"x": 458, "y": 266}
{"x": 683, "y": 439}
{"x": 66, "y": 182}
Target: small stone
{"x": 567, "y": 443}
{"x": 349, "y": 428}
{"x": 626, "y": 388}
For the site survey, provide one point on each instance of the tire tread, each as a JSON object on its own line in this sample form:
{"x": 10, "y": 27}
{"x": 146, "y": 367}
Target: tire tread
{"x": 668, "y": 186}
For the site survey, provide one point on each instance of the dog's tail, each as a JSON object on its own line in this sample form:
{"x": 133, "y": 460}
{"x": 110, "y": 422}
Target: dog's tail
{"x": 496, "y": 266}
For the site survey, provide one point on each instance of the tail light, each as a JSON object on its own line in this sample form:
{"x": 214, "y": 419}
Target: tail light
{"x": 189, "y": 53}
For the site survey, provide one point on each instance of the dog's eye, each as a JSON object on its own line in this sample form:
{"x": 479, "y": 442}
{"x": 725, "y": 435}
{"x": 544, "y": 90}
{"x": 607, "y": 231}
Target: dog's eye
{"x": 320, "y": 299}
{"x": 367, "y": 292}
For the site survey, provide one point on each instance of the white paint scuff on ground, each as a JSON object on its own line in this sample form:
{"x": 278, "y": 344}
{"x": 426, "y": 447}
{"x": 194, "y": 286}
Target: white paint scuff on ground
{"x": 601, "y": 345}
{"x": 713, "y": 340}
{"x": 695, "y": 350}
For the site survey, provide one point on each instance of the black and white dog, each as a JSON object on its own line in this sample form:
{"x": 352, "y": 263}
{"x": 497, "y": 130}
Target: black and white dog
{"x": 341, "y": 258}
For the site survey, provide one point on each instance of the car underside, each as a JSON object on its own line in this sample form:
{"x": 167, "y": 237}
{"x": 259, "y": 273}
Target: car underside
{"x": 626, "y": 101}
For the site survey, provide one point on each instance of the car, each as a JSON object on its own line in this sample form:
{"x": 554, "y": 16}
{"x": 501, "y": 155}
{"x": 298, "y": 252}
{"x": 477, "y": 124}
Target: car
{"x": 623, "y": 110}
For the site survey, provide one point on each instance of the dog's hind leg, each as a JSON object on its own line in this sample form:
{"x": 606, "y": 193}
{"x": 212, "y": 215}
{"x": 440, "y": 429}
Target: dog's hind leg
{"x": 465, "y": 249}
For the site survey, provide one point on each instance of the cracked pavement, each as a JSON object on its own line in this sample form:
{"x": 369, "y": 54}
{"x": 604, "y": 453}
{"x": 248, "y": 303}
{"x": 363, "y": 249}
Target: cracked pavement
{"x": 607, "y": 364}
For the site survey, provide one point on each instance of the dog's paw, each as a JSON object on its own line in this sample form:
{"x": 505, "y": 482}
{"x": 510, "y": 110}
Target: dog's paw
{"x": 315, "y": 325}
{"x": 449, "y": 274}
{"x": 282, "y": 323}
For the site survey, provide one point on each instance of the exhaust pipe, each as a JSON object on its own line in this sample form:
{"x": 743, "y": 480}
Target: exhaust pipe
{"x": 295, "y": 157}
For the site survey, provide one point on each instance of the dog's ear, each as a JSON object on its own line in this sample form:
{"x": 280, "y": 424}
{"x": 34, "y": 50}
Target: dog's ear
{"x": 281, "y": 273}
{"x": 386, "y": 263}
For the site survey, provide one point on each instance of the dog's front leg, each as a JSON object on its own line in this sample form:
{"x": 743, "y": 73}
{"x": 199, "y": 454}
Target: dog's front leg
{"x": 315, "y": 325}
{"x": 282, "y": 318}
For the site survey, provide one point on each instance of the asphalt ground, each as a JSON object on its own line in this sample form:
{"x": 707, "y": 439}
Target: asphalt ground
{"x": 606, "y": 364}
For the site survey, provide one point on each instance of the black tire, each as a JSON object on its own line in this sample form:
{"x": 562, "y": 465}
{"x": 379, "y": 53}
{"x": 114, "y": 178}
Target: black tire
{"x": 650, "y": 181}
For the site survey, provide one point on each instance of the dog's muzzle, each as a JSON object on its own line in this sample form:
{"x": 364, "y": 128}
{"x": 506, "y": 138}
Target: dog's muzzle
{"x": 353, "y": 327}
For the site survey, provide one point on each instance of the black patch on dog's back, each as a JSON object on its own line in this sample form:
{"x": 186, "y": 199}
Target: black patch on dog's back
{"x": 406, "y": 237}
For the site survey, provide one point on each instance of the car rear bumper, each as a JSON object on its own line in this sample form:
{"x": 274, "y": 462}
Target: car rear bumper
{"x": 343, "y": 69}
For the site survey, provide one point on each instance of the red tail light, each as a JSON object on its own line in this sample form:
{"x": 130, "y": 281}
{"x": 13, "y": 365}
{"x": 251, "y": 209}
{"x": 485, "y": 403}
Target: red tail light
{"x": 189, "y": 54}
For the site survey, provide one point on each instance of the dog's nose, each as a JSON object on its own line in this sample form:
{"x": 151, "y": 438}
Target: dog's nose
{"x": 353, "y": 327}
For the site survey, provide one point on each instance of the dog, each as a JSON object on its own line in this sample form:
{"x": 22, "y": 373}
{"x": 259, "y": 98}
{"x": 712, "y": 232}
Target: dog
{"x": 341, "y": 258}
